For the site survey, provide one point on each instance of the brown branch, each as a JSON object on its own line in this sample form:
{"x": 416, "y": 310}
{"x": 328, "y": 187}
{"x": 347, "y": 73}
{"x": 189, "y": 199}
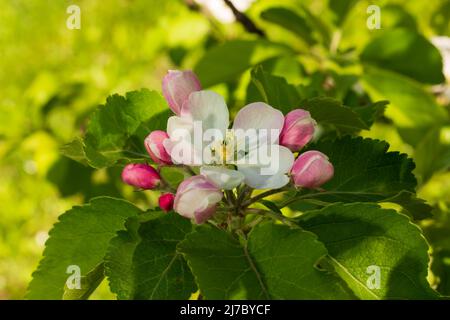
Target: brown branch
{"x": 192, "y": 5}
{"x": 244, "y": 20}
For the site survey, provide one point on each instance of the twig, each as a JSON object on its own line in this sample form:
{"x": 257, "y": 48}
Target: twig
{"x": 192, "y": 5}
{"x": 263, "y": 195}
{"x": 244, "y": 20}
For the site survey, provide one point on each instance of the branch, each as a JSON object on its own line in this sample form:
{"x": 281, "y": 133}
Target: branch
{"x": 263, "y": 195}
{"x": 244, "y": 20}
{"x": 192, "y": 5}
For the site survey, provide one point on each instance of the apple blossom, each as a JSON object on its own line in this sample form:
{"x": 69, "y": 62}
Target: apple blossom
{"x": 141, "y": 175}
{"x": 155, "y": 148}
{"x": 177, "y": 86}
{"x": 311, "y": 170}
{"x": 261, "y": 164}
{"x": 298, "y": 129}
{"x": 196, "y": 198}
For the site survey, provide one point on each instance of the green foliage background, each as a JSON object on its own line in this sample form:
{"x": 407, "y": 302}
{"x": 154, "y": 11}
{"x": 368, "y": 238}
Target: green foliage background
{"x": 52, "y": 78}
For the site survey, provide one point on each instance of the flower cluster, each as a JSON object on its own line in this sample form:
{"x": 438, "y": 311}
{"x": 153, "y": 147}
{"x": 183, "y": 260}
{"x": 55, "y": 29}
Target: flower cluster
{"x": 256, "y": 152}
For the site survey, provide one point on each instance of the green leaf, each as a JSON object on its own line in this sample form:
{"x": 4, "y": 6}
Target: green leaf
{"x": 341, "y": 9}
{"x": 330, "y": 112}
{"x": 364, "y": 171}
{"x": 278, "y": 93}
{"x": 358, "y": 236}
{"x": 411, "y": 107}
{"x": 272, "y": 89}
{"x": 173, "y": 175}
{"x": 440, "y": 18}
{"x": 117, "y": 130}
{"x": 119, "y": 260}
{"x": 276, "y": 262}
{"x": 143, "y": 263}
{"x": 412, "y": 206}
{"x": 290, "y": 20}
{"x": 431, "y": 155}
{"x": 395, "y": 16}
{"x": 371, "y": 112}
{"x": 226, "y": 62}
{"x": 80, "y": 238}
{"x": 317, "y": 24}
{"x": 161, "y": 272}
{"x": 392, "y": 51}
{"x": 88, "y": 284}
{"x": 75, "y": 151}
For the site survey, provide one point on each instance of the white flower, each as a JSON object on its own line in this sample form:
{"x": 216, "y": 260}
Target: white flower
{"x": 251, "y": 146}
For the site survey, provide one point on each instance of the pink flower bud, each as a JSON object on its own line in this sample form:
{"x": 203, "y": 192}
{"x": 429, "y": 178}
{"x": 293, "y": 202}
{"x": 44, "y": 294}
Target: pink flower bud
{"x": 298, "y": 129}
{"x": 141, "y": 175}
{"x": 197, "y": 198}
{"x": 177, "y": 86}
{"x": 311, "y": 170}
{"x": 165, "y": 201}
{"x": 155, "y": 148}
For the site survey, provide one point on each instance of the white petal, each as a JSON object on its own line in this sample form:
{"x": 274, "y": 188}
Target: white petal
{"x": 181, "y": 144}
{"x": 209, "y": 108}
{"x": 258, "y": 116}
{"x": 271, "y": 174}
{"x": 254, "y": 179}
{"x": 180, "y": 127}
{"x": 223, "y": 178}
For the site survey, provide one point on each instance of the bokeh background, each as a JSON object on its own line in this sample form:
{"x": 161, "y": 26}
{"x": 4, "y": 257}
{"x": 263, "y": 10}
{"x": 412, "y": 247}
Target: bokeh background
{"x": 52, "y": 78}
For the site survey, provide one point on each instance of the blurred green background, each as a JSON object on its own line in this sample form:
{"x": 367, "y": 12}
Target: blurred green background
{"x": 51, "y": 79}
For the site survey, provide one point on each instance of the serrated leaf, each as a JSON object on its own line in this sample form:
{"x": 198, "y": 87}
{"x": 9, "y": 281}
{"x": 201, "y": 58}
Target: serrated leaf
{"x": 392, "y": 51}
{"x": 227, "y": 61}
{"x": 371, "y": 112}
{"x": 276, "y": 262}
{"x": 119, "y": 260}
{"x": 364, "y": 241}
{"x": 273, "y": 90}
{"x": 80, "y": 238}
{"x": 364, "y": 171}
{"x": 329, "y": 111}
{"x": 278, "y": 93}
{"x": 75, "y": 151}
{"x": 88, "y": 284}
{"x": 143, "y": 263}
{"x": 413, "y": 206}
{"x": 116, "y": 131}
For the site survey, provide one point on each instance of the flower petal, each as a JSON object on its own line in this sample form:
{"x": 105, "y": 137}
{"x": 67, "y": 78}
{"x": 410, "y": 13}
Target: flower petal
{"x": 180, "y": 145}
{"x": 270, "y": 174}
{"x": 180, "y": 127}
{"x": 177, "y": 86}
{"x": 196, "y": 198}
{"x": 257, "y": 116}
{"x": 223, "y": 178}
{"x": 209, "y": 108}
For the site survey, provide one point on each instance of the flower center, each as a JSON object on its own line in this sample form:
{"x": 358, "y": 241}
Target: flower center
{"x": 223, "y": 151}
